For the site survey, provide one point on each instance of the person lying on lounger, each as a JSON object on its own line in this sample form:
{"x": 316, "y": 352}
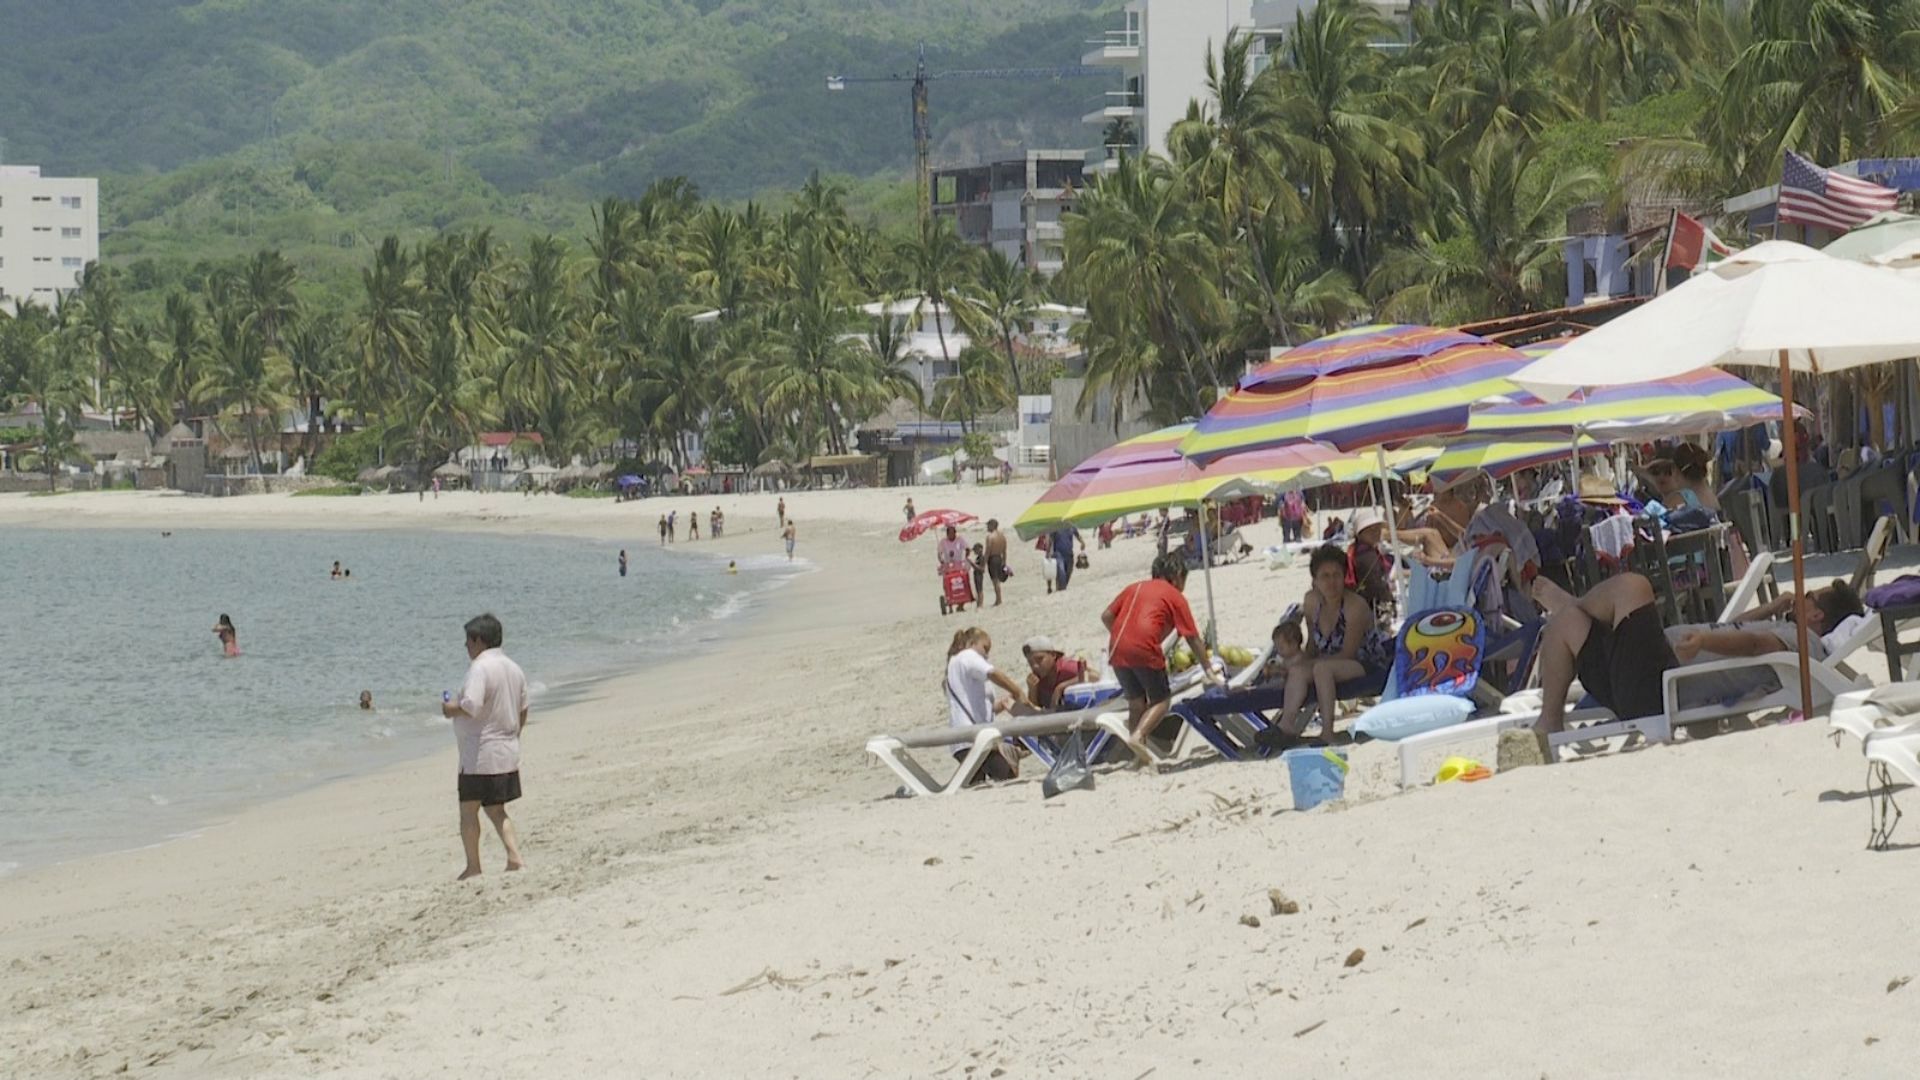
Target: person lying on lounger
{"x": 1612, "y": 639}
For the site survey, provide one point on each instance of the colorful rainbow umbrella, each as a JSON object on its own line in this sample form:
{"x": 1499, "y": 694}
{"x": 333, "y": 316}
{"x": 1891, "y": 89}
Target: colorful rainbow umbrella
{"x": 1504, "y": 457}
{"x": 1367, "y": 387}
{"x": 1147, "y": 472}
{"x": 1693, "y": 403}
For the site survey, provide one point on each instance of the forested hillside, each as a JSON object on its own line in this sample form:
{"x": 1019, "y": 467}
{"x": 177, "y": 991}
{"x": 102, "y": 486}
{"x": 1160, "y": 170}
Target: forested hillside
{"x": 318, "y": 126}
{"x": 594, "y": 93}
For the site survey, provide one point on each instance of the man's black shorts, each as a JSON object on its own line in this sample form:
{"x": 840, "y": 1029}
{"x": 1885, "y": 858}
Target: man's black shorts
{"x": 493, "y": 789}
{"x": 1621, "y": 665}
{"x": 1148, "y": 684}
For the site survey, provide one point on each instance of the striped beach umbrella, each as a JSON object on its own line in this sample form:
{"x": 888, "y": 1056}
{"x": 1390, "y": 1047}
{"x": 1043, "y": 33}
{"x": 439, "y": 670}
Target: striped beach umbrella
{"x": 1366, "y": 387}
{"x": 1146, "y": 473}
{"x": 1692, "y": 403}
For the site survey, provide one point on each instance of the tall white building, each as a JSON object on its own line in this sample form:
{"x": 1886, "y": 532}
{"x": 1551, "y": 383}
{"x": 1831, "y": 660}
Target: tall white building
{"x": 49, "y": 232}
{"x": 1162, "y": 50}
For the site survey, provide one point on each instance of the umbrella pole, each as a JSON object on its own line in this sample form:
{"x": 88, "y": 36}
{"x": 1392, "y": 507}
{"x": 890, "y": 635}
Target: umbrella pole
{"x": 1206, "y": 570}
{"x": 1393, "y": 527}
{"x": 1790, "y": 438}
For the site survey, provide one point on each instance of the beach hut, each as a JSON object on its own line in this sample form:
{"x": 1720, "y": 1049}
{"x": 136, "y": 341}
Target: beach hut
{"x": 452, "y": 473}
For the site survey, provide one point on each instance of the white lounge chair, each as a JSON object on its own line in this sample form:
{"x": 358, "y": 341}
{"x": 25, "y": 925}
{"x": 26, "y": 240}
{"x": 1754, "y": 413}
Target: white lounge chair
{"x": 1890, "y": 753}
{"x": 1833, "y": 679}
{"x": 980, "y": 740}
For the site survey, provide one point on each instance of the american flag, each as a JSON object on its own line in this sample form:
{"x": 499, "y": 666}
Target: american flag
{"x": 1811, "y": 195}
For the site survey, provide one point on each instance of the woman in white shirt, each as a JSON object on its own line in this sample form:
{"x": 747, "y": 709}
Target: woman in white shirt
{"x": 968, "y": 703}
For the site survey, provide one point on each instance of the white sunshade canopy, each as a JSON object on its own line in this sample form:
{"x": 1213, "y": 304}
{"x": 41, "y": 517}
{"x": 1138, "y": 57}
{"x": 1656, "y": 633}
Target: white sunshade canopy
{"x": 1828, "y": 314}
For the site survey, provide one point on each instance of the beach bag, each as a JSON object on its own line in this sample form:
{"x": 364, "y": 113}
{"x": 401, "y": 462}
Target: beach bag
{"x": 1070, "y": 771}
{"x": 1080, "y": 561}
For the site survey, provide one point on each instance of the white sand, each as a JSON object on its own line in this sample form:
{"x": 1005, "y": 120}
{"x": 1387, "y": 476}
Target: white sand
{"x": 720, "y": 887}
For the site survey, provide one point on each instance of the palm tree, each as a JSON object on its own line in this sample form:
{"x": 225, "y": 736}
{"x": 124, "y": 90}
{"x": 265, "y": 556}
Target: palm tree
{"x": 48, "y": 375}
{"x": 1335, "y": 131}
{"x": 1826, "y": 74}
{"x": 266, "y": 289}
{"x": 678, "y": 377}
{"x": 1003, "y": 302}
{"x": 240, "y": 371}
{"x": 1233, "y": 157}
{"x": 539, "y": 356}
{"x": 975, "y": 388}
{"x": 938, "y": 265}
{"x": 1502, "y": 253}
{"x": 386, "y": 341}
{"x": 312, "y": 348}
{"x": 1148, "y": 263}
{"x": 1623, "y": 50}
{"x": 100, "y": 324}
{"x": 180, "y": 359}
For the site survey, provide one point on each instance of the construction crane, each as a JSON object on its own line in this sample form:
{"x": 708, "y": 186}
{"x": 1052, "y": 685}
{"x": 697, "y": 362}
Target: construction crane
{"x": 922, "y": 127}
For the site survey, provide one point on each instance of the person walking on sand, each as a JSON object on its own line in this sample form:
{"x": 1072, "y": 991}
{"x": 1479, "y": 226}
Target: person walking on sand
{"x": 693, "y": 525}
{"x": 996, "y": 547}
{"x": 673, "y": 526}
{"x": 488, "y": 715}
{"x": 663, "y": 530}
{"x": 782, "y": 511}
{"x": 910, "y": 513}
{"x": 623, "y": 562}
{"x": 787, "y": 534}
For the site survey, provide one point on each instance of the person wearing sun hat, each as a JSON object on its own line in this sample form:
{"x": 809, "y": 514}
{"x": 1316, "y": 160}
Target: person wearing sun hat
{"x": 1369, "y": 567}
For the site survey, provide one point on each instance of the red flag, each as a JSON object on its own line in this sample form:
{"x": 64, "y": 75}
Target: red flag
{"x": 1691, "y": 245}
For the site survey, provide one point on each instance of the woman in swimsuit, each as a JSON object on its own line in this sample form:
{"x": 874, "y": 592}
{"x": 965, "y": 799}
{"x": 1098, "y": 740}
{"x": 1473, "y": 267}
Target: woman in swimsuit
{"x": 1343, "y": 644}
{"x": 229, "y": 638}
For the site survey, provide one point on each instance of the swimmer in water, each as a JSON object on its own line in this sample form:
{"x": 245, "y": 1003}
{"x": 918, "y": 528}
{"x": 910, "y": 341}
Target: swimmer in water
{"x": 229, "y": 638}
{"x": 623, "y": 562}
{"x": 366, "y": 701}
{"x": 336, "y": 569}
{"x": 732, "y": 567}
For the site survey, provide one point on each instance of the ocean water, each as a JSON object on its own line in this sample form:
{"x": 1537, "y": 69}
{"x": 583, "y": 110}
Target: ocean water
{"x": 125, "y": 725}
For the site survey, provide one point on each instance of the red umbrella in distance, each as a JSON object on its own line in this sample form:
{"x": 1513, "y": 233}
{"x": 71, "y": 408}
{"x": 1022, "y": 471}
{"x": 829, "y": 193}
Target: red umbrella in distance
{"x": 933, "y": 519}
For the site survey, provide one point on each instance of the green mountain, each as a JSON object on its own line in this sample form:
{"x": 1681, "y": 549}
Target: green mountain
{"x": 561, "y": 97}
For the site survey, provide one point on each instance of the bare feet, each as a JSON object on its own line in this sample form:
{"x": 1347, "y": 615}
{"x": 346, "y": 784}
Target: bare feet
{"x": 516, "y": 866}
{"x": 469, "y": 872}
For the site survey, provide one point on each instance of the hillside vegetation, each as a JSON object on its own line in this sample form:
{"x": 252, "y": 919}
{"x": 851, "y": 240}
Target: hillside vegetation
{"x": 317, "y": 126}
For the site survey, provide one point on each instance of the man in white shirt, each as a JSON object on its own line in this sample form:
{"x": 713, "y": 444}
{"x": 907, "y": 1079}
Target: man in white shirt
{"x": 487, "y": 717}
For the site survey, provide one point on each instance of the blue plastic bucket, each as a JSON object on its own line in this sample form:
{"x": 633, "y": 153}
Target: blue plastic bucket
{"x": 1317, "y": 775}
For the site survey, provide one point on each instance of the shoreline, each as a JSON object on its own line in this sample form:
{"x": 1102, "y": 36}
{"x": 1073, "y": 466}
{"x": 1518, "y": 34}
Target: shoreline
{"x": 558, "y": 687}
{"x": 141, "y": 511}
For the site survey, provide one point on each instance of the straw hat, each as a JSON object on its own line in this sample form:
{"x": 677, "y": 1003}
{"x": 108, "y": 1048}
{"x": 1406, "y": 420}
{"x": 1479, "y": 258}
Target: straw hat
{"x": 1598, "y": 489}
{"x": 1365, "y": 518}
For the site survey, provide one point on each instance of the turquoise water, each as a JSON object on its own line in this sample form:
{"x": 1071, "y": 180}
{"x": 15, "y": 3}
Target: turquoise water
{"x": 126, "y": 726}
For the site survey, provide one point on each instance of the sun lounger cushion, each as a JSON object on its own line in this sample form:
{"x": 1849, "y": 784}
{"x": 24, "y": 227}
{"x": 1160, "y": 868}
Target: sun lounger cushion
{"x": 1391, "y": 721}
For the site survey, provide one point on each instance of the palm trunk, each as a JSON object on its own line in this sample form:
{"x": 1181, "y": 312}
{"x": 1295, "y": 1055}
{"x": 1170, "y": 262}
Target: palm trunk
{"x": 253, "y": 436}
{"x": 1013, "y": 363}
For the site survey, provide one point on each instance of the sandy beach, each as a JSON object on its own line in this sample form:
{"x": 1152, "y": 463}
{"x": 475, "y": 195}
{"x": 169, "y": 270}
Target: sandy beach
{"x": 721, "y": 885}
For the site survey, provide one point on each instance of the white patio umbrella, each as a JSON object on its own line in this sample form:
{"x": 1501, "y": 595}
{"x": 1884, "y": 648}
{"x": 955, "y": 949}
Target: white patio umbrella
{"x": 1776, "y": 304}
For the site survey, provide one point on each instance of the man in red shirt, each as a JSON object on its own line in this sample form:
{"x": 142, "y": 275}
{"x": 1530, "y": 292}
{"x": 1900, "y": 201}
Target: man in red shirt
{"x": 1138, "y": 621}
